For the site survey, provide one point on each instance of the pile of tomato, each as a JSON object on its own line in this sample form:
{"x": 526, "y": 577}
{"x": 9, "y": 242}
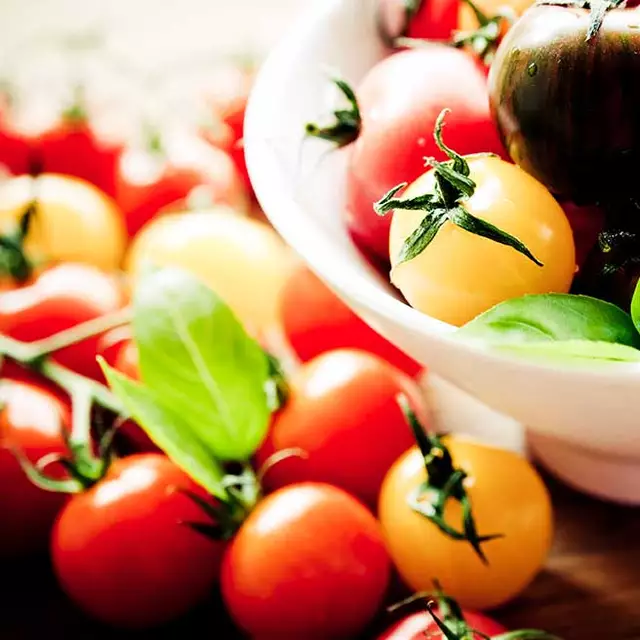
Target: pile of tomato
{"x": 190, "y": 416}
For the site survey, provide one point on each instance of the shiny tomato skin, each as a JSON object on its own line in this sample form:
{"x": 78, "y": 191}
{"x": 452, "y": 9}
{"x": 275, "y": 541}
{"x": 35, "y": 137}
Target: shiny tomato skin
{"x": 122, "y": 551}
{"x": 508, "y": 497}
{"x": 343, "y": 412}
{"x": 315, "y": 320}
{"x": 74, "y": 221}
{"x": 60, "y": 298}
{"x": 150, "y": 180}
{"x": 421, "y": 625}
{"x": 303, "y": 553}
{"x": 459, "y": 274}
{"x": 32, "y": 420}
{"x": 400, "y": 100}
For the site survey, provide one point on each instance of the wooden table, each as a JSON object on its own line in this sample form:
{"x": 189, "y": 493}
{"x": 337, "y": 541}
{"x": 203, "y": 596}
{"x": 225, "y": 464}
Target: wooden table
{"x": 589, "y": 591}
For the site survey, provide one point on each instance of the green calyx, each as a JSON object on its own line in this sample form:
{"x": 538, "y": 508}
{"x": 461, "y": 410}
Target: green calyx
{"x": 444, "y": 482}
{"x": 14, "y": 261}
{"x": 453, "y": 185}
{"x": 76, "y": 112}
{"x": 597, "y": 8}
{"x": 345, "y": 125}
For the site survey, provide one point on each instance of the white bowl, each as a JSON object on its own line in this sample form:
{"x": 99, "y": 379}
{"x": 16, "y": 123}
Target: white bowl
{"x": 584, "y": 424}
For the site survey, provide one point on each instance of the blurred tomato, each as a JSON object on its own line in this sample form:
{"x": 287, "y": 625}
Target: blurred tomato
{"x": 168, "y": 170}
{"x": 32, "y": 421}
{"x": 315, "y": 320}
{"x": 73, "y": 221}
{"x": 427, "y": 19}
{"x": 244, "y": 261}
{"x": 60, "y": 298}
{"x": 586, "y": 223}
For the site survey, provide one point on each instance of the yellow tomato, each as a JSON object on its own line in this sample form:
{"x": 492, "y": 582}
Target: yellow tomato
{"x": 460, "y": 275}
{"x": 243, "y": 260}
{"x": 467, "y": 19}
{"x": 507, "y": 496}
{"x": 74, "y": 221}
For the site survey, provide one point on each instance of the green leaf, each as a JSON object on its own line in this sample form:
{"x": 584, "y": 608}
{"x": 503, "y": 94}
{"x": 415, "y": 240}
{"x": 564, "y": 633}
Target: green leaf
{"x": 574, "y": 351}
{"x": 169, "y": 429}
{"x": 552, "y": 317}
{"x": 635, "y": 306}
{"x": 197, "y": 357}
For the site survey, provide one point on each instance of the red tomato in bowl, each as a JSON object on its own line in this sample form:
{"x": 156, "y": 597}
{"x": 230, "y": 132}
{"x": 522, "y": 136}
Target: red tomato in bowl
{"x": 419, "y": 626}
{"x": 167, "y": 171}
{"x": 430, "y": 20}
{"x": 32, "y": 420}
{"x": 309, "y": 562}
{"x": 60, "y": 298}
{"x": 400, "y": 100}
{"x": 315, "y": 320}
{"x": 342, "y": 411}
{"x": 123, "y": 552}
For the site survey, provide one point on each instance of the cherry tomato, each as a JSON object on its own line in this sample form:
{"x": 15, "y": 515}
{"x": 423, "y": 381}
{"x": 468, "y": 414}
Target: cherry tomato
{"x": 58, "y": 299}
{"x": 400, "y": 100}
{"x": 32, "y": 420}
{"x": 431, "y": 20}
{"x": 15, "y": 145}
{"x": 342, "y": 411}
{"x": 302, "y": 554}
{"x": 315, "y": 320}
{"x": 242, "y": 260}
{"x": 507, "y": 496}
{"x": 74, "y": 221}
{"x": 421, "y": 625}
{"x": 123, "y": 551}
{"x": 112, "y": 342}
{"x": 459, "y": 274}
{"x": 168, "y": 171}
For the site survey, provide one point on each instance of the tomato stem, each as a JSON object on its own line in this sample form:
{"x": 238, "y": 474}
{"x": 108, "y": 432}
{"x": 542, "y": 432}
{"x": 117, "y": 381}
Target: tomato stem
{"x": 453, "y": 185}
{"x": 14, "y": 261}
{"x": 277, "y": 387}
{"x": 346, "y": 124}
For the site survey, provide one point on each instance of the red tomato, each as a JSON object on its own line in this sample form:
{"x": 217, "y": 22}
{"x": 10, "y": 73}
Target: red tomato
{"x": 229, "y": 108}
{"x": 315, "y": 320}
{"x": 111, "y": 343}
{"x": 32, "y": 420}
{"x": 432, "y": 20}
{"x": 74, "y": 147}
{"x": 15, "y": 146}
{"x": 400, "y": 100}
{"x": 419, "y": 626}
{"x": 122, "y": 551}
{"x": 153, "y": 178}
{"x": 309, "y": 562}
{"x": 60, "y": 298}
{"x": 343, "y": 412}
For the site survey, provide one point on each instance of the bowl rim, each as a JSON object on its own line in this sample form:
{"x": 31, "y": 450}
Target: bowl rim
{"x": 287, "y": 217}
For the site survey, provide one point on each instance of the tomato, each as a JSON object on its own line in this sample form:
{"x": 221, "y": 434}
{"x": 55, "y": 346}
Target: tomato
{"x": 73, "y": 146}
{"x": 112, "y": 342}
{"x": 315, "y": 320}
{"x": 342, "y": 411}
{"x": 459, "y": 274}
{"x": 507, "y": 497}
{"x": 15, "y": 146}
{"x": 300, "y": 556}
{"x": 74, "y": 221}
{"x": 32, "y": 420}
{"x": 468, "y": 21}
{"x": 400, "y": 100}
{"x": 586, "y": 223}
{"x": 123, "y": 552}
{"x": 151, "y": 178}
{"x": 419, "y": 626}
{"x": 430, "y": 20}
{"x": 60, "y": 298}
{"x": 229, "y": 106}
{"x": 242, "y": 260}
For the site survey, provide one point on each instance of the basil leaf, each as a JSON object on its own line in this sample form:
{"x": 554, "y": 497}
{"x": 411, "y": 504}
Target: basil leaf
{"x": 635, "y": 306}
{"x": 552, "y": 317}
{"x": 168, "y": 429}
{"x": 197, "y": 357}
{"x": 574, "y": 351}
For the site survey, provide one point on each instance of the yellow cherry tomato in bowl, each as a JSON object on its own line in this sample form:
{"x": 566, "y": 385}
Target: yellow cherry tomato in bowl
{"x": 507, "y": 497}
{"x": 73, "y": 220}
{"x": 459, "y": 274}
{"x": 243, "y": 260}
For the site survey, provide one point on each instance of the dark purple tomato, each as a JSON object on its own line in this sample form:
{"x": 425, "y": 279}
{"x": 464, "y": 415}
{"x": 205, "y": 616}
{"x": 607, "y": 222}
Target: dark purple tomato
{"x": 565, "y": 94}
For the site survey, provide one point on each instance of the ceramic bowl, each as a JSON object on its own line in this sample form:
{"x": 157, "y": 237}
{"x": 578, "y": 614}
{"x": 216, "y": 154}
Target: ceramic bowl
{"x": 582, "y": 423}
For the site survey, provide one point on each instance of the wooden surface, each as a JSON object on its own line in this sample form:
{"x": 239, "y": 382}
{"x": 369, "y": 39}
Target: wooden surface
{"x": 589, "y": 591}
